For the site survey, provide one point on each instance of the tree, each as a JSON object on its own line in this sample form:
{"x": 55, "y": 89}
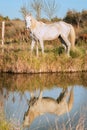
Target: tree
{"x": 50, "y": 8}
{"x": 37, "y": 7}
{"x": 24, "y": 10}
{"x": 77, "y": 17}
{"x": 73, "y": 17}
{"x": 34, "y": 5}
{"x": 84, "y": 15}
{"x": 69, "y": 17}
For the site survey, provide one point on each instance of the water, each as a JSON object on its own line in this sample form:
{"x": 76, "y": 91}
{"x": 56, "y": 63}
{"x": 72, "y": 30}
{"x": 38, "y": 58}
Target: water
{"x": 15, "y": 93}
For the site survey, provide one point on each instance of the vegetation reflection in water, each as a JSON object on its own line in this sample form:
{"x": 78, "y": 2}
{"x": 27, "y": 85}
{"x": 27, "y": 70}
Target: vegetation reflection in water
{"x": 15, "y": 96}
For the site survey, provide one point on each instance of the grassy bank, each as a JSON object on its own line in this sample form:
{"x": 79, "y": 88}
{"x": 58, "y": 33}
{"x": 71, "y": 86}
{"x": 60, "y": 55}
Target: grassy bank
{"x": 17, "y": 58}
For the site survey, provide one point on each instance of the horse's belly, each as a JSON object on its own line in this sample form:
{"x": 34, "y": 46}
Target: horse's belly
{"x": 50, "y": 35}
{"x": 51, "y": 108}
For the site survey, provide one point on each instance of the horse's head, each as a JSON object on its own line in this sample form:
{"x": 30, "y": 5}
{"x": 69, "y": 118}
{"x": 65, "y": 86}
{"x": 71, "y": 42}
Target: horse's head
{"x": 30, "y": 115}
{"x": 28, "y": 21}
{"x": 32, "y": 111}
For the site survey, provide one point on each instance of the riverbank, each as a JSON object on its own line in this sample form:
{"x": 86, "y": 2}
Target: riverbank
{"x": 16, "y": 58}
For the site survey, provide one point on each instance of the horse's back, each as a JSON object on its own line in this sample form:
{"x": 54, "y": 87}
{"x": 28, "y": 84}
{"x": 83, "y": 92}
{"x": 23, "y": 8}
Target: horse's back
{"x": 64, "y": 24}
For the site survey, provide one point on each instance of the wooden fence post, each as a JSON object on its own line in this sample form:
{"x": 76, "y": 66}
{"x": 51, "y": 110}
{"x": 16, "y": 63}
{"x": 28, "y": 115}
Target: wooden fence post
{"x": 3, "y": 32}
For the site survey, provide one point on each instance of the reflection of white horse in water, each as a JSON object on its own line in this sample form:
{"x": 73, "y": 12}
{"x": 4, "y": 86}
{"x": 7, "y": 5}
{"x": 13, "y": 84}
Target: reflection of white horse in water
{"x": 41, "y": 32}
{"x": 41, "y": 105}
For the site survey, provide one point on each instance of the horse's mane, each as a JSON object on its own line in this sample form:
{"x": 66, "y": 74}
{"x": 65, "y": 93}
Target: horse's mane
{"x": 32, "y": 101}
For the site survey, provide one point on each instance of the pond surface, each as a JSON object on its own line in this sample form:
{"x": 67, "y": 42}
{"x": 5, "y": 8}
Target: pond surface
{"x": 16, "y": 91}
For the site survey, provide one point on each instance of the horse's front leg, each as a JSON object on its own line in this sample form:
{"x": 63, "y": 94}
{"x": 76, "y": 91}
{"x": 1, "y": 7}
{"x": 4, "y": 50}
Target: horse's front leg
{"x": 32, "y": 45}
{"x": 42, "y": 46}
{"x": 37, "y": 48}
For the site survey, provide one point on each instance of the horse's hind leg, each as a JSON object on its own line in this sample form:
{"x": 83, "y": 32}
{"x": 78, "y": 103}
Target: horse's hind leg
{"x": 66, "y": 43}
{"x": 63, "y": 42}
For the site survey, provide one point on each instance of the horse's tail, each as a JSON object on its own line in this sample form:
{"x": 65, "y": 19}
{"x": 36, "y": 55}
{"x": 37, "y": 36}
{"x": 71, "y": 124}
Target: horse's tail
{"x": 71, "y": 99}
{"x": 72, "y": 36}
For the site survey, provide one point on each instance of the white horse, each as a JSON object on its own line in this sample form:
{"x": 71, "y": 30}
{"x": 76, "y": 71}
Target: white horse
{"x": 41, "y": 31}
{"x": 42, "y": 105}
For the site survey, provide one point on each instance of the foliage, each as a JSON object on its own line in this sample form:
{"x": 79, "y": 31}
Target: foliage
{"x": 76, "y": 18}
{"x": 4, "y": 18}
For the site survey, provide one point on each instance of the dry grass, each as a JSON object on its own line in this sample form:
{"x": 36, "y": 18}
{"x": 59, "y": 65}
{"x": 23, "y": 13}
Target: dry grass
{"x": 17, "y": 58}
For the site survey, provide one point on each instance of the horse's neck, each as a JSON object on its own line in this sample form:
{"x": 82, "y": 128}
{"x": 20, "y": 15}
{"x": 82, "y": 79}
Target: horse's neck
{"x": 34, "y": 24}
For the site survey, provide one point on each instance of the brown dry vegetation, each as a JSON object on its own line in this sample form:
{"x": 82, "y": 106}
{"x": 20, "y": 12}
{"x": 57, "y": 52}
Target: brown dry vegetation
{"x": 16, "y": 58}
